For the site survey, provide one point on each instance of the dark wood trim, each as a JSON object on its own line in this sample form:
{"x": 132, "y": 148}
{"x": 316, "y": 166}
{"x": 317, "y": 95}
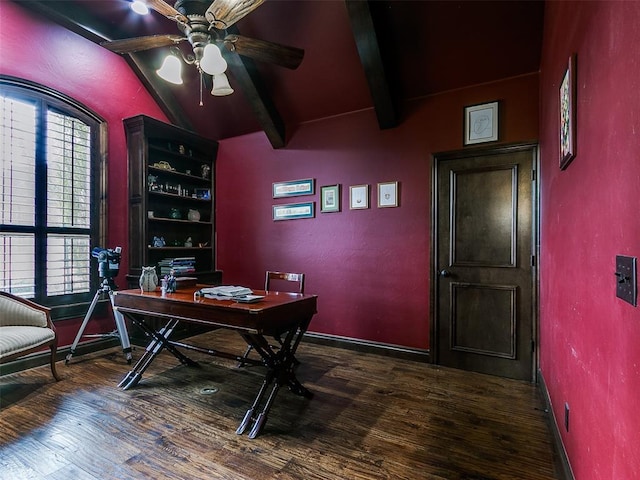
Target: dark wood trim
{"x": 563, "y": 466}
{"x": 38, "y": 359}
{"x": 42, "y": 358}
{"x": 365, "y": 346}
{"x": 366, "y": 37}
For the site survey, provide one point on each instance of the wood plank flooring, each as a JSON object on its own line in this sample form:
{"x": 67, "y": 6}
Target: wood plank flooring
{"x": 372, "y": 417}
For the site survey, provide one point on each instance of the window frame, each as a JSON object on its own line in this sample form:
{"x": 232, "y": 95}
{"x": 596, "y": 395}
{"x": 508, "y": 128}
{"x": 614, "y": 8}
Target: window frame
{"x": 46, "y": 98}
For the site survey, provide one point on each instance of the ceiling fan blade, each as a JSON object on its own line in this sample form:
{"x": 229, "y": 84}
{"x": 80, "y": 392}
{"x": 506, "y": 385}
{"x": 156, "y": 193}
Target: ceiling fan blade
{"x": 167, "y": 10}
{"x": 224, "y": 13}
{"x": 131, "y": 45}
{"x": 261, "y": 50}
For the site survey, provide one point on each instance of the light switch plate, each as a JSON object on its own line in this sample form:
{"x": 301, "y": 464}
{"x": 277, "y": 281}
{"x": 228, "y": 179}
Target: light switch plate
{"x": 627, "y": 279}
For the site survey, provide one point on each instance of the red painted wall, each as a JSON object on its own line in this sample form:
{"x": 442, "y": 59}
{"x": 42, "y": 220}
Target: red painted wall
{"x": 370, "y": 268}
{"x": 97, "y": 78}
{"x": 590, "y": 340}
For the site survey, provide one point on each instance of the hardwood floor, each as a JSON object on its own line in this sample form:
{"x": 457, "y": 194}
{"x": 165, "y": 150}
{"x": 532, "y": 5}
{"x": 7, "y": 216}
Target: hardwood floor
{"x": 372, "y": 417}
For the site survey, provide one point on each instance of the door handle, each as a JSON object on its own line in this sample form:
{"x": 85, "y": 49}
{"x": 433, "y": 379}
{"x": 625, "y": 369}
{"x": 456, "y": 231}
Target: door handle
{"x": 445, "y": 273}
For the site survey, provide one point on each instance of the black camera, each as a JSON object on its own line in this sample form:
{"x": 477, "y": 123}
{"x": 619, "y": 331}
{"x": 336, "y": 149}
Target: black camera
{"x": 108, "y": 261}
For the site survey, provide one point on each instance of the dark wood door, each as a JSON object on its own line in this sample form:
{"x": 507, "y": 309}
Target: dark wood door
{"x": 484, "y": 231}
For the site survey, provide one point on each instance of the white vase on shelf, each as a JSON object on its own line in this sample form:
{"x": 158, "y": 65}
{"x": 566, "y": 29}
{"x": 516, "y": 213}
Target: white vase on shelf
{"x": 193, "y": 215}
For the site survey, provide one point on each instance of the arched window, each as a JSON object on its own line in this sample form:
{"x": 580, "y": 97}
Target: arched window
{"x": 51, "y": 182}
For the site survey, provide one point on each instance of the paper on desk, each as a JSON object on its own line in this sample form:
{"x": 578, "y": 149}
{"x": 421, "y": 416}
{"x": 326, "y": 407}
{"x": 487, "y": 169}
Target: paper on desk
{"x": 226, "y": 291}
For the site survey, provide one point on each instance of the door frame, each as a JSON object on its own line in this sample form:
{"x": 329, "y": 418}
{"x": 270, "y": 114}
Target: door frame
{"x": 436, "y": 158}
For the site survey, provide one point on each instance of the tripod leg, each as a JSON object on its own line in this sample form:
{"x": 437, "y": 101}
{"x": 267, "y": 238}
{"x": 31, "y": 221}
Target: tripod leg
{"x": 87, "y": 317}
{"x": 122, "y": 329}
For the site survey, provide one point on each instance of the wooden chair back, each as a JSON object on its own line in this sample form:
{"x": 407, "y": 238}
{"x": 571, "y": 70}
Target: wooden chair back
{"x": 284, "y": 281}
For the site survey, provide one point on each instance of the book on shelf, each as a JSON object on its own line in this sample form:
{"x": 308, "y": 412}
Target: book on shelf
{"x": 179, "y": 265}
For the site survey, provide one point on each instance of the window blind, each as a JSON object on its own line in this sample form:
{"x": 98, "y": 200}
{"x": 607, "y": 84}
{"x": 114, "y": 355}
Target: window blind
{"x": 44, "y": 162}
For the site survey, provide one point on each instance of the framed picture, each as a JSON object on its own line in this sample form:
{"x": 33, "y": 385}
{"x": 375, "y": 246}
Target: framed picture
{"x": 358, "y": 197}
{"x": 330, "y": 198}
{"x": 568, "y": 114}
{"x": 294, "y": 211}
{"x": 387, "y": 194}
{"x": 481, "y": 123}
{"x": 293, "y": 188}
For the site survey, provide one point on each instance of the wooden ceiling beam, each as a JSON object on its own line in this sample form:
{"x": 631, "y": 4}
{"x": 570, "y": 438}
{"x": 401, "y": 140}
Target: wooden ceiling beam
{"x": 366, "y": 37}
{"x": 246, "y": 74}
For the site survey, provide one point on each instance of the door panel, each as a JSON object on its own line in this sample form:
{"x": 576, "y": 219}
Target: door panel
{"x": 483, "y": 247}
{"x": 472, "y": 220}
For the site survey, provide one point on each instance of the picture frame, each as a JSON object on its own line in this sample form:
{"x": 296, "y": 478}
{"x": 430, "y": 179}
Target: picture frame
{"x": 330, "y": 198}
{"x": 358, "y": 197}
{"x": 481, "y": 123}
{"x": 387, "y": 194}
{"x": 293, "y": 188}
{"x": 567, "y": 112}
{"x": 294, "y": 211}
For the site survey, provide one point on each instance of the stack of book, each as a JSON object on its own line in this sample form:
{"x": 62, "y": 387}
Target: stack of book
{"x": 180, "y": 266}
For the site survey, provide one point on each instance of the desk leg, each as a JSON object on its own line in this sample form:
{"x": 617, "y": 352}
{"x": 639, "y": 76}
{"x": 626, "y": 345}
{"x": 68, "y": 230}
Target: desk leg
{"x": 158, "y": 343}
{"x": 248, "y": 417}
{"x": 280, "y": 368}
{"x": 151, "y": 352}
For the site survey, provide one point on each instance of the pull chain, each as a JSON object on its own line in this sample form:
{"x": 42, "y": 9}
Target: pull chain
{"x": 201, "y": 82}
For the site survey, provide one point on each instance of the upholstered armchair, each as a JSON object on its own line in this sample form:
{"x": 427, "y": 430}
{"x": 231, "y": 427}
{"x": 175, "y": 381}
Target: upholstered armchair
{"x": 25, "y": 327}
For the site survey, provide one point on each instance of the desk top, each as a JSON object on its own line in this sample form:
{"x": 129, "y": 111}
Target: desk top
{"x": 277, "y": 310}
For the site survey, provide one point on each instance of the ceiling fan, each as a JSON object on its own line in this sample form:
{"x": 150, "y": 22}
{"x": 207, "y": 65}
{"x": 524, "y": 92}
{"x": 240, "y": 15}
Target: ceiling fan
{"x": 203, "y": 23}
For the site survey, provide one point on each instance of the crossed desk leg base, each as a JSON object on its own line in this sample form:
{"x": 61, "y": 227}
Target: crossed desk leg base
{"x": 160, "y": 341}
{"x": 280, "y": 365}
{"x": 279, "y": 361}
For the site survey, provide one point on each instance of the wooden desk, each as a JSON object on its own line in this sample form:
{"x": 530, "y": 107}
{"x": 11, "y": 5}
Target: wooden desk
{"x": 284, "y": 316}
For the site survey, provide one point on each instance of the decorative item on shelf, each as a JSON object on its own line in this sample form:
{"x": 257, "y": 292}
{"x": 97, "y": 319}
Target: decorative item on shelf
{"x": 158, "y": 242}
{"x": 149, "y": 279}
{"x": 181, "y": 149}
{"x": 203, "y": 193}
{"x": 205, "y": 170}
{"x": 203, "y": 244}
{"x": 175, "y": 214}
{"x": 174, "y": 189}
{"x": 152, "y": 182}
{"x": 150, "y": 214}
{"x": 163, "y": 165}
{"x": 188, "y": 243}
{"x": 187, "y": 172}
{"x": 171, "y": 282}
{"x": 193, "y": 215}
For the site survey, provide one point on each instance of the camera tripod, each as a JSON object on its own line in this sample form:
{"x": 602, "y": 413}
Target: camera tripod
{"x": 119, "y": 319}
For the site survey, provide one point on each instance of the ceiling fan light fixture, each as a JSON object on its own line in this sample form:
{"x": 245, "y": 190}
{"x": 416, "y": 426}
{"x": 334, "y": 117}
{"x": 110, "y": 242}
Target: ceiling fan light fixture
{"x": 221, "y": 86}
{"x": 139, "y": 7}
{"x": 212, "y": 61}
{"x": 171, "y": 70}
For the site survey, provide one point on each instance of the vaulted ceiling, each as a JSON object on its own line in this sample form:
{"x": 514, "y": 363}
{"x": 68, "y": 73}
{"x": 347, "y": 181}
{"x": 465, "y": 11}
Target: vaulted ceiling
{"x": 358, "y": 55}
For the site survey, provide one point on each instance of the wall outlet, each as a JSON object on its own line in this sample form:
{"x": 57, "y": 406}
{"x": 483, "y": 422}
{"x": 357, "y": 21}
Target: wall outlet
{"x": 566, "y": 416}
{"x": 627, "y": 279}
